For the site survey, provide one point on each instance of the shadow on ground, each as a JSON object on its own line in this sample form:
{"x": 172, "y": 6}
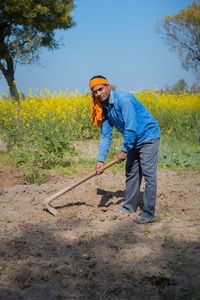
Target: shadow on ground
{"x": 40, "y": 263}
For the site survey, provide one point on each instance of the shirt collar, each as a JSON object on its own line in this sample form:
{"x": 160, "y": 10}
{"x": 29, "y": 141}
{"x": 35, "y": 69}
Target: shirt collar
{"x": 111, "y": 100}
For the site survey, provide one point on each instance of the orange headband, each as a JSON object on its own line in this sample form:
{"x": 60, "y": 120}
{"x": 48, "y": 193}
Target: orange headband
{"x": 96, "y": 81}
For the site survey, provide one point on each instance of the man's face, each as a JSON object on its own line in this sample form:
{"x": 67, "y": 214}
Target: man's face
{"x": 101, "y": 92}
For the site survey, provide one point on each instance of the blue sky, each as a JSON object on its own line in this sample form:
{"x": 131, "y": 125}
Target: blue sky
{"x": 113, "y": 38}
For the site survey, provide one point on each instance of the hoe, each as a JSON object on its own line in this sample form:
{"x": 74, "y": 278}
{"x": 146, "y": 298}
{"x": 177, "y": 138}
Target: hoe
{"x": 48, "y": 200}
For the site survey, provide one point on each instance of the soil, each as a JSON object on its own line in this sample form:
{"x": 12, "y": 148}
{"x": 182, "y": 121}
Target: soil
{"x": 88, "y": 251}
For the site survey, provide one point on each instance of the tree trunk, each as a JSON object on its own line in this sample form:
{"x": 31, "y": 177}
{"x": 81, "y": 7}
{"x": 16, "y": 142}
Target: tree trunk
{"x": 11, "y": 83}
{"x": 9, "y": 76}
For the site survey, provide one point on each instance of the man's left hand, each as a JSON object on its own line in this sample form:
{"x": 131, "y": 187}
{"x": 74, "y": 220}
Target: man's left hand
{"x": 121, "y": 156}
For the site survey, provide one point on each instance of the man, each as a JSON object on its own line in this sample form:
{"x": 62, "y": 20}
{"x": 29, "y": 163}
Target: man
{"x": 141, "y": 134}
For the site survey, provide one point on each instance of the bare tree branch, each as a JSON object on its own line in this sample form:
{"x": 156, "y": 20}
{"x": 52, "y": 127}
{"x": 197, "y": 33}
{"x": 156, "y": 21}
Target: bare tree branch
{"x": 182, "y": 33}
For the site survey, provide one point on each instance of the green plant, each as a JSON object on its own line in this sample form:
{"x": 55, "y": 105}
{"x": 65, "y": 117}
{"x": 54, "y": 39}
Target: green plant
{"x": 147, "y": 231}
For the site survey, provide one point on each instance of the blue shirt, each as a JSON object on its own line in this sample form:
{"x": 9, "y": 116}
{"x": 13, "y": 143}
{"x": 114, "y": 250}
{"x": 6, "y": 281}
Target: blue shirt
{"x": 131, "y": 118}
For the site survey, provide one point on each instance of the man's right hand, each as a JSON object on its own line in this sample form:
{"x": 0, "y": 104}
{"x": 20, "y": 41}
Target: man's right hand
{"x": 99, "y": 165}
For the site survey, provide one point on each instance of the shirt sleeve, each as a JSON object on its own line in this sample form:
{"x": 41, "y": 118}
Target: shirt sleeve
{"x": 130, "y": 126}
{"x": 106, "y": 139}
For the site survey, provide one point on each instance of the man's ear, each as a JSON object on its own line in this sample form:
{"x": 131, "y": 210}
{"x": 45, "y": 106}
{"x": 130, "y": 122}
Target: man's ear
{"x": 108, "y": 85}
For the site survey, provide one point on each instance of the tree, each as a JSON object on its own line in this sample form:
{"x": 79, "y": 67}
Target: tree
{"x": 182, "y": 32}
{"x": 179, "y": 87}
{"x": 26, "y": 26}
{"x": 195, "y": 88}
{"x": 113, "y": 87}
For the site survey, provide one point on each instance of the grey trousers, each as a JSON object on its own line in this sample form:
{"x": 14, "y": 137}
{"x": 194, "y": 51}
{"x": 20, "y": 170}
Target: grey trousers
{"x": 142, "y": 161}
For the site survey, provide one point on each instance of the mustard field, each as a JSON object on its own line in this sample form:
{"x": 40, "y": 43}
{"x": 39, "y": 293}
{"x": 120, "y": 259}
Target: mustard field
{"x": 47, "y": 124}
{"x": 71, "y": 114}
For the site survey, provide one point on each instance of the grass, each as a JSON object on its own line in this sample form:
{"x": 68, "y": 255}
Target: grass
{"x": 7, "y": 159}
{"x": 174, "y": 153}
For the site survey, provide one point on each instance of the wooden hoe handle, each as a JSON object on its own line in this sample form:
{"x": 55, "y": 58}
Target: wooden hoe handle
{"x": 48, "y": 200}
